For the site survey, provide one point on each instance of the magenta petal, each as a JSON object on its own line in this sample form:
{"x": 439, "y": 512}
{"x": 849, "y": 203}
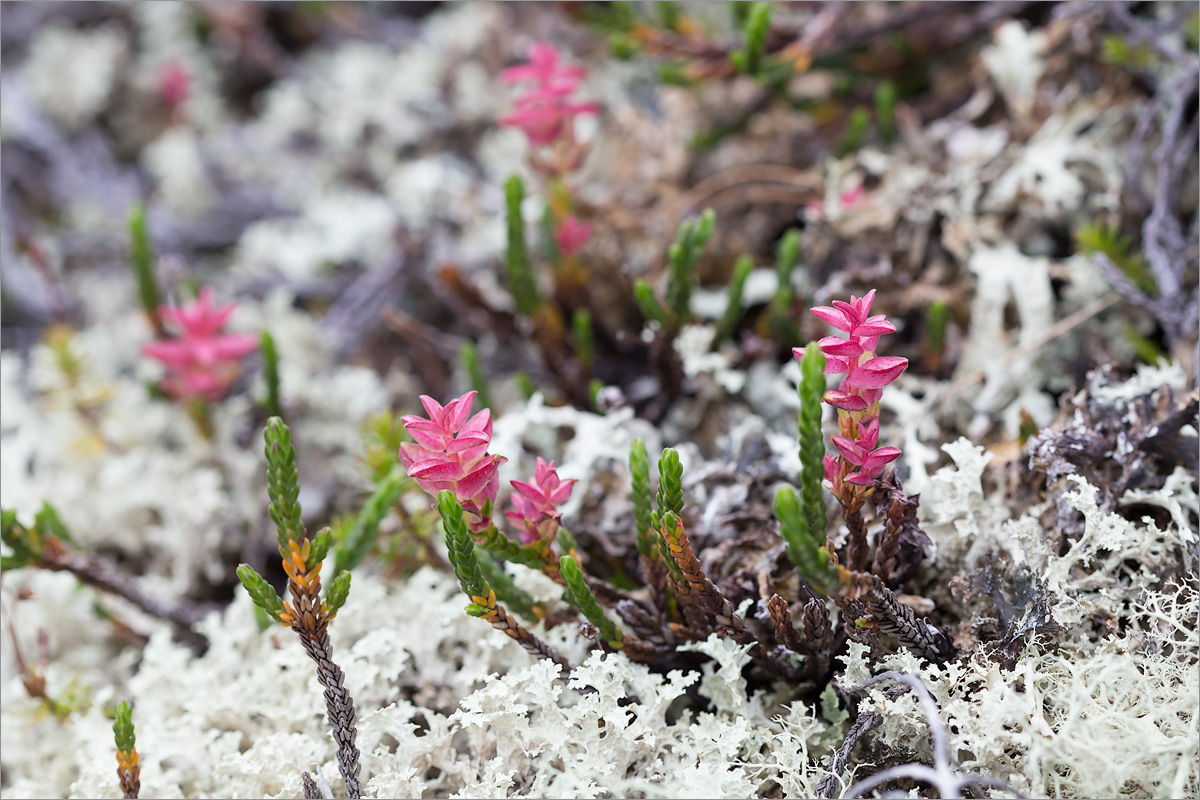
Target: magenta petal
{"x": 834, "y": 317}
{"x": 860, "y": 479}
{"x": 462, "y": 443}
{"x": 479, "y": 477}
{"x": 880, "y": 457}
{"x": 868, "y": 433}
{"x": 849, "y": 310}
{"x": 562, "y": 492}
{"x": 835, "y": 365}
{"x": 169, "y": 352}
{"x": 837, "y": 346}
{"x": 876, "y": 326}
{"x": 432, "y": 407}
{"x": 851, "y": 449}
{"x": 230, "y": 348}
{"x": 831, "y": 468}
{"x": 462, "y": 410}
{"x": 845, "y": 400}
{"x": 528, "y": 490}
{"x": 481, "y": 422}
{"x": 877, "y": 372}
{"x": 435, "y": 470}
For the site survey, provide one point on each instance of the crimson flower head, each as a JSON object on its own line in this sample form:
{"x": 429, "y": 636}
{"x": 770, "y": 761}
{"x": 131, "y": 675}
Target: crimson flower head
{"x": 572, "y": 235}
{"x": 450, "y": 452}
{"x": 863, "y": 453}
{"x": 545, "y": 70}
{"x": 174, "y": 85}
{"x": 859, "y": 461}
{"x": 535, "y": 505}
{"x": 866, "y": 373}
{"x": 202, "y": 363}
{"x": 543, "y": 112}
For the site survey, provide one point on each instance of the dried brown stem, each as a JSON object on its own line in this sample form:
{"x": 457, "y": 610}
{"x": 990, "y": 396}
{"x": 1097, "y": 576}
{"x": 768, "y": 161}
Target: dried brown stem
{"x": 131, "y": 782}
{"x": 901, "y": 545}
{"x": 785, "y": 632}
{"x": 645, "y": 625}
{"x": 94, "y": 571}
{"x": 899, "y": 621}
{"x": 828, "y": 785}
{"x": 501, "y": 620}
{"x": 311, "y": 622}
{"x": 858, "y": 551}
{"x": 311, "y": 790}
{"x": 818, "y": 636}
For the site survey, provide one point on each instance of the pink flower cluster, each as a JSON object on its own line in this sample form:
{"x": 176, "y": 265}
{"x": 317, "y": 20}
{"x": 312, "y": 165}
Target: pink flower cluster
{"x": 544, "y": 112}
{"x": 572, "y": 235}
{"x": 535, "y": 505}
{"x": 451, "y": 452}
{"x": 203, "y": 362}
{"x": 860, "y": 460}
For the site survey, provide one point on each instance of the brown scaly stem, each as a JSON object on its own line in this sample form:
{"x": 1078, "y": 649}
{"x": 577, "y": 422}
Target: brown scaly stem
{"x": 712, "y": 603}
{"x": 701, "y": 590}
{"x": 501, "y": 620}
{"x": 647, "y": 626}
{"x": 828, "y": 785}
{"x": 310, "y": 620}
{"x": 311, "y": 790}
{"x": 129, "y": 774}
{"x": 781, "y": 618}
{"x": 901, "y": 545}
{"x": 655, "y": 573}
{"x": 899, "y": 621}
{"x": 818, "y": 635}
{"x": 858, "y": 552}
{"x": 57, "y": 556}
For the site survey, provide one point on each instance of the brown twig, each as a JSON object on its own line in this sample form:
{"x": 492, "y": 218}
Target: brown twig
{"x": 785, "y": 632}
{"x": 309, "y": 618}
{"x": 501, "y": 620}
{"x": 98, "y": 573}
{"x": 858, "y": 550}
{"x": 828, "y": 785}
{"x": 899, "y": 621}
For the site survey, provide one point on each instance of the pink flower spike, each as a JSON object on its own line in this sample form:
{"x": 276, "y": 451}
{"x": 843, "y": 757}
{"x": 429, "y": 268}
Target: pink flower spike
{"x": 572, "y": 235}
{"x": 544, "y": 69}
{"x": 451, "y": 451}
{"x": 174, "y": 85}
{"x": 536, "y": 503}
{"x": 876, "y": 373}
{"x": 202, "y": 363}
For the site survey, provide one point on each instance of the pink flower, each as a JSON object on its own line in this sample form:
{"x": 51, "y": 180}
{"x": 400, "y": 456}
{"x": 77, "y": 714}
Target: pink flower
{"x": 543, "y": 112}
{"x": 544, "y": 69}
{"x": 870, "y": 462}
{"x": 451, "y": 452}
{"x": 572, "y": 235}
{"x": 859, "y": 461}
{"x": 536, "y": 504}
{"x": 202, "y": 363}
{"x": 855, "y": 355}
{"x": 174, "y": 85}
{"x": 544, "y": 118}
